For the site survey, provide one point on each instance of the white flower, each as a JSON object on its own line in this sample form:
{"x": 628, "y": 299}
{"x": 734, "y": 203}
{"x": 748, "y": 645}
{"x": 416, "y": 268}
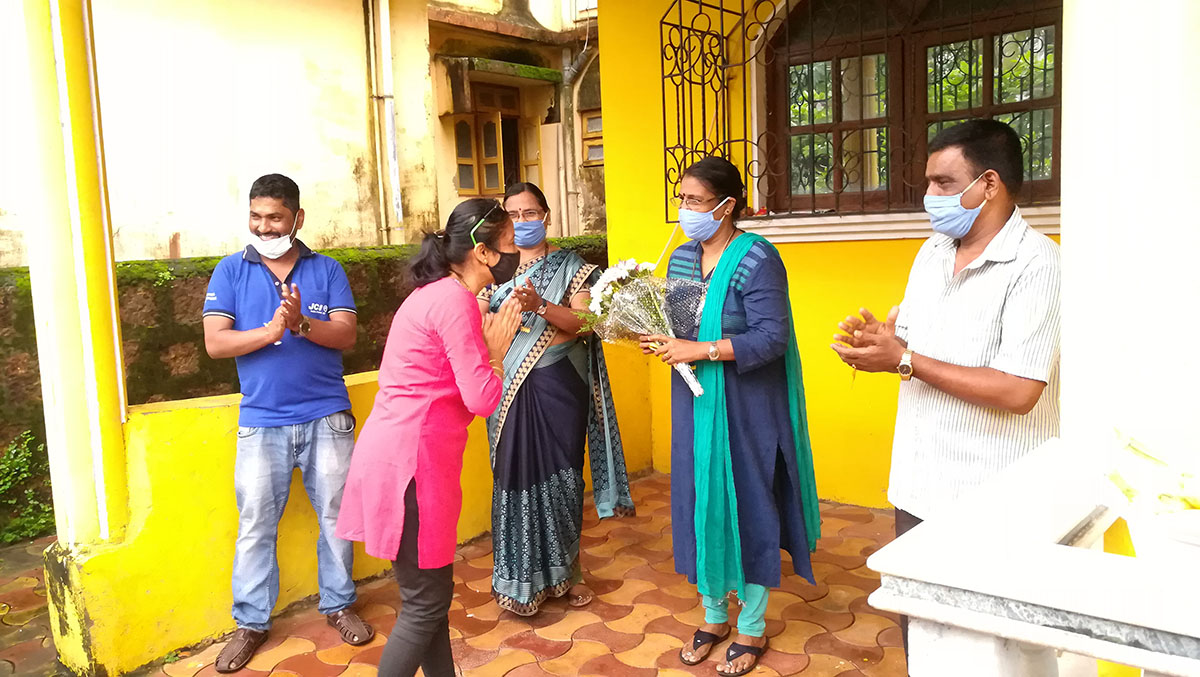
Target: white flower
{"x": 645, "y": 267}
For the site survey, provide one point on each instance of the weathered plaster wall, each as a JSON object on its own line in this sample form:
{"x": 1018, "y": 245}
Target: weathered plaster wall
{"x": 199, "y": 99}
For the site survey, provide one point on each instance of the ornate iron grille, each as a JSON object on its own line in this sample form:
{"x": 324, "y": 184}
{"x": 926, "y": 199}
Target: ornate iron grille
{"x": 828, "y": 105}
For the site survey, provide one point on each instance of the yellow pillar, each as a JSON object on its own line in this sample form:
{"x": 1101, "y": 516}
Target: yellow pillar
{"x": 72, "y": 274}
{"x": 71, "y": 270}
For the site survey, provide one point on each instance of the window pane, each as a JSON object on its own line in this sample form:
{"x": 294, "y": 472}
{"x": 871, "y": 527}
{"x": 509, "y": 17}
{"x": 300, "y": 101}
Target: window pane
{"x": 466, "y": 177}
{"x": 532, "y": 174}
{"x": 864, "y": 159}
{"x": 955, "y": 76}
{"x": 811, "y": 90}
{"x": 864, "y": 87}
{"x": 1024, "y": 65}
{"x": 935, "y": 127}
{"x": 1036, "y": 129}
{"x": 491, "y": 176}
{"x": 812, "y": 167}
{"x": 462, "y": 140}
{"x": 595, "y": 153}
{"x": 594, "y": 125}
{"x": 490, "y": 149}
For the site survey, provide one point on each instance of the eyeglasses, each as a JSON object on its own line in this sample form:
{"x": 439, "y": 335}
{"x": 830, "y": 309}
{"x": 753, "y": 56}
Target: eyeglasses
{"x": 527, "y": 215}
{"x": 474, "y": 242}
{"x": 689, "y": 202}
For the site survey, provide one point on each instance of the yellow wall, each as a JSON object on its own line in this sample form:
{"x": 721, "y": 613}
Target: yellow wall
{"x": 851, "y": 420}
{"x": 167, "y": 584}
{"x": 851, "y": 424}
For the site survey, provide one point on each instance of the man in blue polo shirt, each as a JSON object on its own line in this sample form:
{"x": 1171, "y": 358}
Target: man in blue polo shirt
{"x": 285, "y": 313}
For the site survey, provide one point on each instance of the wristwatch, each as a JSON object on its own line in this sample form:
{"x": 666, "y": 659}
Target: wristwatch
{"x": 714, "y": 352}
{"x": 905, "y": 366}
{"x": 305, "y": 326}
{"x": 541, "y": 310}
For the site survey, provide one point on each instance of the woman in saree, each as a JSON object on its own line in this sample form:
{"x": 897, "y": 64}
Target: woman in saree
{"x": 742, "y": 485}
{"x": 556, "y": 397}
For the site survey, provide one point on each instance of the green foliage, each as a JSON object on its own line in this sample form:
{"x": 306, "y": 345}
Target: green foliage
{"x": 24, "y": 490}
{"x": 173, "y": 657}
{"x": 163, "y": 278}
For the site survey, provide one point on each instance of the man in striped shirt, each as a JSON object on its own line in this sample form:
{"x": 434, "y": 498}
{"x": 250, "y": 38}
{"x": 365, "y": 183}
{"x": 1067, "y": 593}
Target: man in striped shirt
{"x": 976, "y": 339}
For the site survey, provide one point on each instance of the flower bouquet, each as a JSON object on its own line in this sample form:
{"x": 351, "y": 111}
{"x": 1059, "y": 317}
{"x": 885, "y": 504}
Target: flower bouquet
{"x": 628, "y": 301}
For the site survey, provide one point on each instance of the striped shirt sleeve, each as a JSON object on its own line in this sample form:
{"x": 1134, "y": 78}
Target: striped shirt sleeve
{"x": 341, "y": 299}
{"x": 1029, "y": 324}
{"x": 219, "y": 299}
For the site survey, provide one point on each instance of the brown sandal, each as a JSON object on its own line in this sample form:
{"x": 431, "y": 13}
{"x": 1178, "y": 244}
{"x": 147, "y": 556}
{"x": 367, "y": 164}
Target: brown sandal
{"x": 352, "y": 628}
{"x": 240, "y": 649}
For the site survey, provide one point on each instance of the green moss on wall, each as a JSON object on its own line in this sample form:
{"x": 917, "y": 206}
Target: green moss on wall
{"x": 161, "y": 331}
{"x": 163, "y": 344}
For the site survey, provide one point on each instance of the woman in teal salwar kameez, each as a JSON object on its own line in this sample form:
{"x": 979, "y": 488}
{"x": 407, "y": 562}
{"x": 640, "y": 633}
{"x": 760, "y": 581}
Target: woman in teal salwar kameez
{"x": 556, "y": 397}
{"x": 742, "y": 483}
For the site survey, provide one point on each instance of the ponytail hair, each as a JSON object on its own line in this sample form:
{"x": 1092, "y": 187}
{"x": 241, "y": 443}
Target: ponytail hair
{"x": 722, "y": 178}
{"x": 443, "y": 248}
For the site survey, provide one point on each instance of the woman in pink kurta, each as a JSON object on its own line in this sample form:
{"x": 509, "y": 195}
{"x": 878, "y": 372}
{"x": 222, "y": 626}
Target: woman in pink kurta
{"x": 441, "y": 367}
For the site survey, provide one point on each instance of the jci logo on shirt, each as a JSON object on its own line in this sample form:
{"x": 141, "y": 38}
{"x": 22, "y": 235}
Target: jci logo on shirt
{"x": 319, "y": 308}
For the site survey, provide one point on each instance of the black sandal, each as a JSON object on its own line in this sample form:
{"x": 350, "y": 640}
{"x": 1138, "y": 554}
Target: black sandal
{"x": 736, "y": 651}
{"x": 699, "y": 639}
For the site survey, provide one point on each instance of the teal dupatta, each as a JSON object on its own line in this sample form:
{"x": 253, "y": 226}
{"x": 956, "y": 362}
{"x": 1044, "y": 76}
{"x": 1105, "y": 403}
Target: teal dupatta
{"x": 718, "y": 542}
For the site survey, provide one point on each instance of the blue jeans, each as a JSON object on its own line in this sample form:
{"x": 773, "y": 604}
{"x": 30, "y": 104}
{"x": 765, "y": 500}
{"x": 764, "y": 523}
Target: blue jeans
{"x": 262, "y": 477}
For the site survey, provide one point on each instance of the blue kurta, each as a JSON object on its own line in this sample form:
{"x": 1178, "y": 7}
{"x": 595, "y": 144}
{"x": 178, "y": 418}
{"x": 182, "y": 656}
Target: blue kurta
{"x": 763, "y": 449}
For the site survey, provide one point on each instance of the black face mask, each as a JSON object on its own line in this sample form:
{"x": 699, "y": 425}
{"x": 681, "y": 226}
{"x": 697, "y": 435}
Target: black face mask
{"x": 506, "y": 267}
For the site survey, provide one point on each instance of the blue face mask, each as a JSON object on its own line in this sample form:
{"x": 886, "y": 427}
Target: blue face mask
{"x": 948, "y": 215}
{"x": 529, "y": 233}
{"x": 700, "y": 226}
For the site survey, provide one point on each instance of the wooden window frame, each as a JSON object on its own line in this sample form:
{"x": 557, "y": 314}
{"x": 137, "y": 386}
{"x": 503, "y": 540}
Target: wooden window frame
{"x": 470, "y": 120}
{"x": 907, "y": 113}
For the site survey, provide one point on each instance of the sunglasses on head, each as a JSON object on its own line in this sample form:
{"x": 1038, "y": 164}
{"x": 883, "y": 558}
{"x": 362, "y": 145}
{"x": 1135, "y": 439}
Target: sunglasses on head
{"x": 486, "y": 214}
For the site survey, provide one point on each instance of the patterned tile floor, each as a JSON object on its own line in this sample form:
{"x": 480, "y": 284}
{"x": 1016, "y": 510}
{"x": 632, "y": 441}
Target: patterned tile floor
{"x": 641, "y": 616}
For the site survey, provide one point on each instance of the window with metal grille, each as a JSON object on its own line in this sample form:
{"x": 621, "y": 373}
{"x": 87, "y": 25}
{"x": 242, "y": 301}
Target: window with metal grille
{"x": 829, "y": 105}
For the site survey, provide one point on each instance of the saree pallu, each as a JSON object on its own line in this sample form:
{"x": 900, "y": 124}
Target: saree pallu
{"x": 557, "y": 398}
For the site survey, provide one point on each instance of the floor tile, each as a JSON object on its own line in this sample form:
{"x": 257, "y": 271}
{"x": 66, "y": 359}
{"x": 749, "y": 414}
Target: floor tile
{"x": 827, "y": 643}
{"x": 267, "y": 658}
{"x": 343, "y": 653}
{"x": 637, "y": 619}
{"x": 831, "y": 621}
{"x": 608, "y": 666}
{"x": 795, "y": 636}
{"x": 188, "y": 666}
{"x": 645, "y": 654}
{"x": 628, "y": 591}
{"x": 506, "y": 661}
{"x": 865, "y": 630}
{"x": 308, "y": 665}
{"x": 576, "y": 657}
{"x": 616, "y": 641}
{"x": 563, "y": 629}
{"x": 643, "y": 613}
{"x": 540, "y": 647}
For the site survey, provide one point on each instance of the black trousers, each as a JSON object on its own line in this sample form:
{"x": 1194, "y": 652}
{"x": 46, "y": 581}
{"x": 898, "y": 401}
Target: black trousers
{"x": 904, "y": 522}
{"x": 421, "y": 636}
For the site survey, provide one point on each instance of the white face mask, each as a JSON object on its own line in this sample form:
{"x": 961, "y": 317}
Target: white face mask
{"x": 275, "y": 247}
